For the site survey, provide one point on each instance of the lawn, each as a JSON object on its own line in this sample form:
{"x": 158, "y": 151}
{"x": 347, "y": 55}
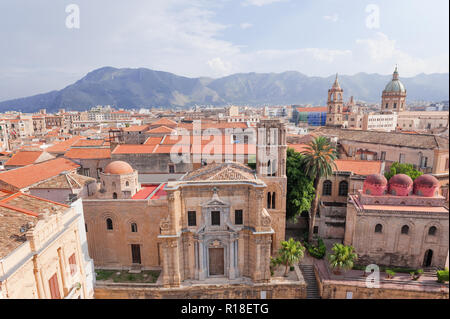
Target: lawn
{"x": 123, "y": 276}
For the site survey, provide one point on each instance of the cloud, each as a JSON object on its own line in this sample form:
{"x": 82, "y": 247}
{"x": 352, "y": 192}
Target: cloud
{"x": 332, "y": 18}
{"x": 380, "y": 54}
{"x": 219, "y": 67}
{"x": 260, "y": 3}
{"x": 245, "y": 26}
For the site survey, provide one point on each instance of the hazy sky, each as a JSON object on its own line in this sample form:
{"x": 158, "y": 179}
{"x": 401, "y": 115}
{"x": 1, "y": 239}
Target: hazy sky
{"x": 38, "y": 53}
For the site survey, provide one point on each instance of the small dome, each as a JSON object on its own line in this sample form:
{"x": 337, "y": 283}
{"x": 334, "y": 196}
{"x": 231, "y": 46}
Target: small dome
{"x": 118, "y": 168}
{"x": 395, "y": 85}
{"x": 375, "y": 184}
{"x": 400, "y": 185}
{"x": 426, "y": 185}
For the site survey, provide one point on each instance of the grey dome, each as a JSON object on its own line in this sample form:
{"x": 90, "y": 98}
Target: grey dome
{"x": 395, "y": 85}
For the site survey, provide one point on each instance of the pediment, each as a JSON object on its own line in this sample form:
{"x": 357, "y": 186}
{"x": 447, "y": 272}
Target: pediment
{"x": 215, "y": 202}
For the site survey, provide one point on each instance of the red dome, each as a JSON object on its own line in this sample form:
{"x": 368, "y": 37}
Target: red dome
{"x": 426, "y": 185}
{"x": 400, "y": 185}
{"x": 375, "y": 185}
{"x": 376, "y": 179}
{"x": 118, "y": 168}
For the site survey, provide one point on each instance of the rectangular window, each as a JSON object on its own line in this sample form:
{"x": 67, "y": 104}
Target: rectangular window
{"x": 238, "y": 220}
{"x": 73, "y": 265}
{"x": 446, "y": 163}
{"x": 192, "y": 218}
{"x": 401, "y": 158}
{"x": 383, "y": 156}
{"x": 54, "y": 287}
{"x": 215, "y": 218}
{"x": 316, "y": 230}
{"x": 171, "y": 169}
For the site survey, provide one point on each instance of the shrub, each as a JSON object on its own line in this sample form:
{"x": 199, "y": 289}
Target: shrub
{"x": 318, "y": 251}
{"x": 390, "y": 273}
{"x": 442, "y": 275}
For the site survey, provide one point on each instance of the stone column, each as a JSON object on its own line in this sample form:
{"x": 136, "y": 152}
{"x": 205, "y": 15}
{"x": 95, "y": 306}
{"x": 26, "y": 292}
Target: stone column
{"x": 202, "y": 257}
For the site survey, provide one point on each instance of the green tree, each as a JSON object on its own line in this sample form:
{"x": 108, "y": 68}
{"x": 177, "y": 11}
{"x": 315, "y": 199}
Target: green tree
{"x": 300, "y": 190}
{"x": 407, "y": 169}
{"x": 319, "y": 159}
{"x": 343, "y": 257}
{"x": 291, "y": 251}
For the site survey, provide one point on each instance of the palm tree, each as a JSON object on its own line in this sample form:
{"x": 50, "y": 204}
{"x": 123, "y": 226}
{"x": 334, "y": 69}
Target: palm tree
{"x": 318, "y": 157}
{"x": 343, "y": 257}
{"x": 291, "y": 251}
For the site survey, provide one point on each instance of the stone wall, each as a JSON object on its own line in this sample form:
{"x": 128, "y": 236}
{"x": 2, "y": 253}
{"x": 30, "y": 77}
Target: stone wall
{"x": 332, "y": 290}
{"x": 273, "y": 291}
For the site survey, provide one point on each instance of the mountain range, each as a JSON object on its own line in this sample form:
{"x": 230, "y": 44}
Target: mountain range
{"x": 136, "y": 88}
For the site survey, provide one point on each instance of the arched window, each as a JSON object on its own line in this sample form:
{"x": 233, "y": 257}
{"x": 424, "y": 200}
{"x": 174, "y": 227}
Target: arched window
{"x": 134, "y": 228}
{"x": 343, "y": 188}
{"x": 115, "y": 195}
{"x": 432, "y": 231}
{"x": 405, "y": 229}
{"x": 379, "y": 228}
{"x": 109, "y": 224}
{"x": 326, "y": 189}
{"x": 269, "y": 200}
{"x": 273, "y": 200}
{"x": 127, "y": 183}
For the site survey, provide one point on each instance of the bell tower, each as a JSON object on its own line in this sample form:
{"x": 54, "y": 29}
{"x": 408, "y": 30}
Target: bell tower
{"x": 271, "y": 168}
{"x": 335, "y": 104}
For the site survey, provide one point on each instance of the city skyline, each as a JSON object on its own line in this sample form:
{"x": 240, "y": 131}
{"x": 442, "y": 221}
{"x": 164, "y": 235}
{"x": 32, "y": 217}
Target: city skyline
{"x": 47, "y": 51}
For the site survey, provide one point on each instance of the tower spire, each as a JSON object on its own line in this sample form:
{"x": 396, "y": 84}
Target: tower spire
{"x": 336, "y": 82}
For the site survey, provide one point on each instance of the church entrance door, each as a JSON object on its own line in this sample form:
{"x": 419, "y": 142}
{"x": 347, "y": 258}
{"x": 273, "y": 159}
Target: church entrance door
{"x": 216, "y": 261}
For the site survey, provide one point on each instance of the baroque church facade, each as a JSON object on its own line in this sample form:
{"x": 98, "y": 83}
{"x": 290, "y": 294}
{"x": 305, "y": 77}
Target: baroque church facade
{"x": 223, "y": 220}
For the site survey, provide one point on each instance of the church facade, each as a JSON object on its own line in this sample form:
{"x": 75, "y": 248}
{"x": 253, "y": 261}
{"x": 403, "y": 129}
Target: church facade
{"x": 223, "y": 220}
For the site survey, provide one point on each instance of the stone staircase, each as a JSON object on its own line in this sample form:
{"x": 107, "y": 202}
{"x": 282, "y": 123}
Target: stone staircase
{"x": 430, "y": 271}
{"x": 312, "y": 291}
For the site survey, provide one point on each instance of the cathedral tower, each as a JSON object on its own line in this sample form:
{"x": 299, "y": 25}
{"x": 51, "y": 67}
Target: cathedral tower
{"x": 394, "y": 95}
{"x": 335, "y": 104}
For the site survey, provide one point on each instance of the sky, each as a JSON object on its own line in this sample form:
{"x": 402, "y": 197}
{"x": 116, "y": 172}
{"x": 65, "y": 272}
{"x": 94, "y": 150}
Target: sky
{"x": 44, "y": 46}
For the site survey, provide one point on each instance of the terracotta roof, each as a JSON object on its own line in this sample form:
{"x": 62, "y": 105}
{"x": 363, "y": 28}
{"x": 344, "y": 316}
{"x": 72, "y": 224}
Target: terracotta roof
{"x": 298, "y": 147}
{"x": 219, "y": 149}
{"x": 160, "y": 129}
{"x": 135, "y": 128}
{"x": 23, "y": 158}
{"x": 164, "y": 121}
{"x": 145, "y": 192}
{"x": 134, "y": 149}
{"x": 87, "y": 143}
{"x": 88, "y": 153}
{"x": 359, "y": 167}
{"x": 153, "y": 140}
{"x": 28, "y": 175}
{"x": 62, "y": 147}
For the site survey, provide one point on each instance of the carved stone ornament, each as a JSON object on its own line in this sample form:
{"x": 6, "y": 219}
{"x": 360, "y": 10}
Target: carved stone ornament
{"x": 165, "y": 223}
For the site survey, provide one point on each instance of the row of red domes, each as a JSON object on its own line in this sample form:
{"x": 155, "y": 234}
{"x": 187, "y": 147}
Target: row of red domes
{"x": 401, "y": 185}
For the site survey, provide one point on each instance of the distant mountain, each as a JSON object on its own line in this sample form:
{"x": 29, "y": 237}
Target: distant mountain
{"x": 135, "y": 88}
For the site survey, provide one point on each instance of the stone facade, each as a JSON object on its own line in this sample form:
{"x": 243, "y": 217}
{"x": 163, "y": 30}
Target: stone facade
{"x": 404, "y": 231}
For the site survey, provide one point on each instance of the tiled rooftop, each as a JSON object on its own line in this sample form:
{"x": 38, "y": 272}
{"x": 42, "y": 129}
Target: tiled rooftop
{"x": 88, "y": 153}
{"x": 359, "y": 167}
{"x": 23, "y": 158}
{"x": 18, "y": 213}
{"x": 29, "y": 175}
